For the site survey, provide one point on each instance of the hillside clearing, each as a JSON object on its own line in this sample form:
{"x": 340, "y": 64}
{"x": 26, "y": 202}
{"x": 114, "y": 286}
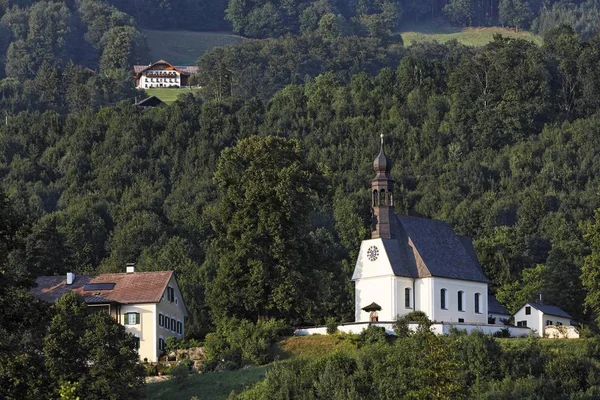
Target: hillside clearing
{"x": 168, "y": 95}
{"x": 208, "y": 386}
{"x": 475, "y": 37}
{"x": 185, "y": 47}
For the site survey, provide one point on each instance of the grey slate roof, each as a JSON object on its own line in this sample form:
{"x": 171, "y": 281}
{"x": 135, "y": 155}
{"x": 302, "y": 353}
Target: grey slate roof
{"x": 437, "y": 251}
{"x": 494, "y": 306}
{"x": 550, "y": 310}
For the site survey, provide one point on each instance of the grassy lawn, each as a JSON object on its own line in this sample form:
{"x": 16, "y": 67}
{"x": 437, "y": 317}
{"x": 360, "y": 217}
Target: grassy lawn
{"x": 475, "y": 37}
{"x": 185, "y": 47}
{"x": 168, "y": 95}
{"x": 209, "y": 386}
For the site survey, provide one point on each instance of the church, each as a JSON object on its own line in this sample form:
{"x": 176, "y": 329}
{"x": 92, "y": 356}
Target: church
{"x": 415, "y": 264}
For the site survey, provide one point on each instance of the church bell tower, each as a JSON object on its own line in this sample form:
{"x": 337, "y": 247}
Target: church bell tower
{"x": 382, "y": 198}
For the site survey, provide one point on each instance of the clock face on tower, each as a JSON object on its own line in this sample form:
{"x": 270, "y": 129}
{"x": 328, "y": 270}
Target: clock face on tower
{"x": 372, "y": 253}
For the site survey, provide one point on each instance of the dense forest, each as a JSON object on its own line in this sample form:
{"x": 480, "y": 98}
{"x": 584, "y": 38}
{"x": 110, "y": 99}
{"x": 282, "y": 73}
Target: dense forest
{"x": 255, "y": 189}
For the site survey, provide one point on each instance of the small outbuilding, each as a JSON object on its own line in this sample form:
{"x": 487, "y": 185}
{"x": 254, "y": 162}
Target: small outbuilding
{"x": 538, "y": 316}
{"x": 497, "y": 314}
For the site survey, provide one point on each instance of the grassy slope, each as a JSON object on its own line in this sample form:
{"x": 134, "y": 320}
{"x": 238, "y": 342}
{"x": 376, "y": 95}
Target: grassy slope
{"x": 185, "y": 47}
{"x": 168, "y": 95}
{"x": 218, "y": 385}
{"x": 209, "y": 386}
{"x": 476, "y": 37}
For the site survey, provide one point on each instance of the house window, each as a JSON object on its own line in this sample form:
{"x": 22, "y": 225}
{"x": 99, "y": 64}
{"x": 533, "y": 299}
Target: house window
{"x": 173, "y": 324}
{"x": 443, "y": 299}
{"x": 170, "y": 294}
{"x": 522, "y": 323}
{"x": 407, "y": 297}
{"x": 527, "y": 310}
{"x": 477, "y": 305}
{"x": 167, "y": 322}
{"x": 548, "y": 322}
{"x": 179, "y": 327}
{"x": 558, "y": 323}
{"x": 136, "y": 343}
{"x": 460, "y": 300}
{"x": 161, "y": 320}
{"x": 132, "y": 318}
{"x": 161, "y": 344}
{"x": 461, "y": 320}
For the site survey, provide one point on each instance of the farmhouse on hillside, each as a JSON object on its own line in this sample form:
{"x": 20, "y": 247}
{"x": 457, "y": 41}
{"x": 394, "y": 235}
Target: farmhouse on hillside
{"x": 162, "y": 74}
{"x": 544, "y": 319}
{"x": 148, "y": 304}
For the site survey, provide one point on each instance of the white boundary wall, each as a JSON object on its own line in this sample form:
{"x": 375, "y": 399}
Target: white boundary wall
{"x": 437, "y": 328}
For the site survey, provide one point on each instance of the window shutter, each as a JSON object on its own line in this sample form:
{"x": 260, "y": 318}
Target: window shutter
{"x": 137, "y": 318}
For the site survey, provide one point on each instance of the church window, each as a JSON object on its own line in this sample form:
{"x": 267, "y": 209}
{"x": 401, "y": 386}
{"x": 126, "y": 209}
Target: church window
{"x": 407, "y": 297}
{"x": 477, "y": 305}
{"x": 375, "y": 198}
{"x": 443, "y": 298}
{"x": 461, "y": 294}
{"x": 382, "y": 197}
{"x": 527, "y": 310}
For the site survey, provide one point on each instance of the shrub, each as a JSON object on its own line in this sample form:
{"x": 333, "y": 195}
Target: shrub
{"x": 401, "y": 325}
{"x": 372, "y": 335}
{"x": 502, "y": 333}
{"x": 240, "y": 342}
{"x": 332, "y": 325}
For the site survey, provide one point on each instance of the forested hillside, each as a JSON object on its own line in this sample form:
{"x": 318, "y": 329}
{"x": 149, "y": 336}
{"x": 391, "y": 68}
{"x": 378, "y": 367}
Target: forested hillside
{"x": 254, "y": 190}
{"x": 502, "y": 144}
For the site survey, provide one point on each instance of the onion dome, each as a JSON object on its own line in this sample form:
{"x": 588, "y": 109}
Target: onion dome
{"x": 382, "y": 164}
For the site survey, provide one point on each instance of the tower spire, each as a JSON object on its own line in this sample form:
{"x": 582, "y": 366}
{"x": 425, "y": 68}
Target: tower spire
{"x": 382, "y": 192}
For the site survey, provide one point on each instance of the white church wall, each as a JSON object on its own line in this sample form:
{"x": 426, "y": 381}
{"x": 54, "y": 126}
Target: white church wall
{"x": 376, "y": 289}
{"x": 401, "y": 306}
{"x": 438, "y": 329}
{"x": 366, "y": 268}
{"x": 424, "y": 296}
{"x": 451, "y": 312}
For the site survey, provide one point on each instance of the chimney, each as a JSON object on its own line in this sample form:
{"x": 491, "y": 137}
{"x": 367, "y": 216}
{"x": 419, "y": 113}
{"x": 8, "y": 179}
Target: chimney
{"x": 70, "y": 278}
{"x": 130, "y": 268}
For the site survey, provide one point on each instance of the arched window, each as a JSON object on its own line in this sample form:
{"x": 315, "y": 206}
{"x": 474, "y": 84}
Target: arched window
{"x": 477, "y": 300}
{"x": 375, "y": 198}
{"x": 382, "y": 197}
{"x": 443, "y": 299}
{"x": 407, "y": 297}
{"x": 461, "y": 295}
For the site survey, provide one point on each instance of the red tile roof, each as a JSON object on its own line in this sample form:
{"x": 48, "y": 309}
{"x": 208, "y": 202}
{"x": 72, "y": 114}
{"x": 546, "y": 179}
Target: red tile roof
{"x": 137, "y": 287}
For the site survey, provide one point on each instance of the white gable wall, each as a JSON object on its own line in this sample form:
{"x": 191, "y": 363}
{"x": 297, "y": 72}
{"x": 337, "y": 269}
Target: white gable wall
{"x": 537, "y": 319}
{"x": 534, "y": 320}
{"x": 378, "y": 290}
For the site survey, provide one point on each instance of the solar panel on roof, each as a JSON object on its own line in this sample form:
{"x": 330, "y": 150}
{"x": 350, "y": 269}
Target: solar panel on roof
{"x": 99, "y": 286}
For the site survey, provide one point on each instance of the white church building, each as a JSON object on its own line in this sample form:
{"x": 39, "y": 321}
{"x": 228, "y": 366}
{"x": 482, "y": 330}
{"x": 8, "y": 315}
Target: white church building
{"x": 415, "y": 264}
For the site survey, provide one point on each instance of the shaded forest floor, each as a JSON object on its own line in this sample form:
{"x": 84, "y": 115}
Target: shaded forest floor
{"x": 475, "y": 37}
{"x": 185, "y": 47}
